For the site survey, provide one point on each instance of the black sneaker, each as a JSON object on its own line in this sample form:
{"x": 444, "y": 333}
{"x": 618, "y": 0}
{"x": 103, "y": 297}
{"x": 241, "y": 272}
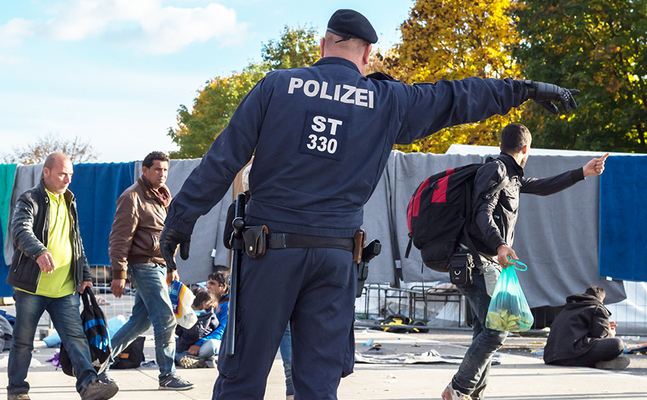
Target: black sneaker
{"x": 98, "y": 390}
{"x": 174, "y": 382}
{"x": 105, "y": 378}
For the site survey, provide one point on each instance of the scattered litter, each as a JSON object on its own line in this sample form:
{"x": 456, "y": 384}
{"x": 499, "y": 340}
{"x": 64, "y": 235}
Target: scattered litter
{"x": 148, "y": 364}
{"x": 102, "y": 301}
{"x": 55, "y": 360}
{"x": 391, "y": 379}
{"x": 431, "y": 356}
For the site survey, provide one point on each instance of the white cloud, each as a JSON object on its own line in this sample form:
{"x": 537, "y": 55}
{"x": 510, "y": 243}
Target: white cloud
{"x": 144, "y": 24}
{"x": 13, "y": 31}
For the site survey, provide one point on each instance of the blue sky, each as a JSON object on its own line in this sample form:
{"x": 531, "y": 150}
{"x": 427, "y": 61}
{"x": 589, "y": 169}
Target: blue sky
{"x": 114, "y": 72}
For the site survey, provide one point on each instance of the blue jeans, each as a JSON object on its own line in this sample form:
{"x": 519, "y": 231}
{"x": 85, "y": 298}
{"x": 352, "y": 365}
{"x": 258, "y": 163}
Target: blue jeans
{"x": 473, "y": 372}
{"x": 285, "y": 347}
{"x": 64, "y": 313}
{"x": 152, "y": 306}
{"x": 208, "y": 349}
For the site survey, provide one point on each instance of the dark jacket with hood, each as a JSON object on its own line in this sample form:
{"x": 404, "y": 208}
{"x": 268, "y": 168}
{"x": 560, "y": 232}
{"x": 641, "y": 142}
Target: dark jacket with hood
{"x": 583, "y": 321}
{"x": 30, "y": 229}
{"x": 497, "y": 187}
{"x": 203, "y": 329}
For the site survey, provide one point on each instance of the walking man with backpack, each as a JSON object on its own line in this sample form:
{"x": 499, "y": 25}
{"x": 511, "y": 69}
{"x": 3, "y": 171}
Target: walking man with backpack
{"x": 495, "y": 200}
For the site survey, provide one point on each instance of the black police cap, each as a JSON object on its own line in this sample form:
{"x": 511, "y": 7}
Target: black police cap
{"x": 351, "y": 24}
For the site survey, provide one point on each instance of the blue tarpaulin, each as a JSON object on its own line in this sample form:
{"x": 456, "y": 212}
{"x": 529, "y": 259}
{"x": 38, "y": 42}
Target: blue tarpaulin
{"x": 97, "y": 188}
{"x": 623, "y": 219}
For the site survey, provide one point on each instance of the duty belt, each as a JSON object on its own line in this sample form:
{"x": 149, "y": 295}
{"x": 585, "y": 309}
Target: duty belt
{"x": 295, "y": 240}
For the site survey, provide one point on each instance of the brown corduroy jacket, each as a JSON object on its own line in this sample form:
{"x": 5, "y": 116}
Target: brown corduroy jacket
{"x": 136, "y": 229}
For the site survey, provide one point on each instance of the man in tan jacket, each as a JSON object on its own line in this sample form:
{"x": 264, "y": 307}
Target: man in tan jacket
{"x": 135, "y": 254}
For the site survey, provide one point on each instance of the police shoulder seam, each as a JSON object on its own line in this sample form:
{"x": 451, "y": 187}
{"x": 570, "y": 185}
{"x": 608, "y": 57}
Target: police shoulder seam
{"x": 381, "y": 76}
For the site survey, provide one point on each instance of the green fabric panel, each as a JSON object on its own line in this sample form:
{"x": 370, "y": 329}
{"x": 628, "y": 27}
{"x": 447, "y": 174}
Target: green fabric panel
{"x": 7, "y": 176}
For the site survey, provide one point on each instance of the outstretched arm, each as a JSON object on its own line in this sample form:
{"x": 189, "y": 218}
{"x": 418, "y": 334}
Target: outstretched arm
{"x": 557, "y": 183}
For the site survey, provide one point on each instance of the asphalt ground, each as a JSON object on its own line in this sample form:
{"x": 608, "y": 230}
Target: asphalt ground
{"x": 531, "y": 342}
{"x": 517, "y": 377}
{"x": 521, "y": 374}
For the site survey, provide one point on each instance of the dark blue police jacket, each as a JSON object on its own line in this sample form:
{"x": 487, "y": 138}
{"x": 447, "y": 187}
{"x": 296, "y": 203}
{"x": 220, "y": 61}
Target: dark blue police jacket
{"x": 322, "y": 136}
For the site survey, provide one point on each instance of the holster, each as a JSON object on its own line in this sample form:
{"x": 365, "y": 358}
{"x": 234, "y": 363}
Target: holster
{"x": 255, "y": 238}
{"x": 359, "y": 240}
{"x": 461, "y": 265}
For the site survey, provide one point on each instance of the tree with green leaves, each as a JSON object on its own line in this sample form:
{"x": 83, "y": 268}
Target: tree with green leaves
{"x": 599, "y": 47}
{"x": 296, "y": 48}
{"x": 216, "y": 102}
{"x": 212, "y": 109}
{"x": 452, "y": 39}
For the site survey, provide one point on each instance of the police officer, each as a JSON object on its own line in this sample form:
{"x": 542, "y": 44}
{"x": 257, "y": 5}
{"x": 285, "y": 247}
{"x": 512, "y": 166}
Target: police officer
{"x": 322, "y": 137}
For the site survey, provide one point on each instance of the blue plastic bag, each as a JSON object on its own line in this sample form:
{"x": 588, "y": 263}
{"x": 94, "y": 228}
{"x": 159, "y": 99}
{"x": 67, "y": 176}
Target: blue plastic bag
{"x": 509, "y": 310}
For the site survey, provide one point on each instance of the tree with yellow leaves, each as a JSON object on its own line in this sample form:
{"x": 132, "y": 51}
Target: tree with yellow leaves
{"x": 453, "y": 39}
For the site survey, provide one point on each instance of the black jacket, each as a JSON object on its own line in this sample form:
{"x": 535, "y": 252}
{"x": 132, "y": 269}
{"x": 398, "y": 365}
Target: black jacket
{"x": 30, "y": 227}
{"x": 206, "y": 324}
{"x": 583, "y": 321}
{"x": 497, "y": 187}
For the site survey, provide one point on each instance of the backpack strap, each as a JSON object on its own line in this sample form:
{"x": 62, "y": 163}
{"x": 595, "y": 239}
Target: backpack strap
{"x": 406, "y": 254}
{"x": 468, "y": 221}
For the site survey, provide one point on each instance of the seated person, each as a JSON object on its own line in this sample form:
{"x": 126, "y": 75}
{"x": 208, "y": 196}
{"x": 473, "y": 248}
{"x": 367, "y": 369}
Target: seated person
{"x": 196, "y": 347}
{"x": 219, "y": 287}
{"x": 582, "y": 335}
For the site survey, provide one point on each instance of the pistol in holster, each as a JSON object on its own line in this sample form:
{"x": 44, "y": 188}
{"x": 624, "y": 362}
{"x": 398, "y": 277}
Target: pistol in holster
{"x": 368, "y": 253}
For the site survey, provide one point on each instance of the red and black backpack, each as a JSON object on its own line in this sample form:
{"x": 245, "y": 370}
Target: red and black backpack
{"x": 438, "y": 213}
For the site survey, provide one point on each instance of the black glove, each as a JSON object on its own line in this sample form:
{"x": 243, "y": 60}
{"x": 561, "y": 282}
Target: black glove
{"x": 169, "y": 239}
{"x": 545, "y": 93}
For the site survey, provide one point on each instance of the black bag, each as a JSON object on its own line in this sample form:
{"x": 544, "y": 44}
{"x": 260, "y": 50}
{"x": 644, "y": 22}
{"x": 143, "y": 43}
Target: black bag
{"x": 395, "y": 323}
{"x": 398, "y": 323}
{"x": 461, "y": 265}
{"x": 95, "y": 327}
{"x": 132, "y": 356}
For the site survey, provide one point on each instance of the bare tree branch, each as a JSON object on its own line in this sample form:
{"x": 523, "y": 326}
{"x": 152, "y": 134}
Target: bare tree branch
{"x": 35, "y": 153}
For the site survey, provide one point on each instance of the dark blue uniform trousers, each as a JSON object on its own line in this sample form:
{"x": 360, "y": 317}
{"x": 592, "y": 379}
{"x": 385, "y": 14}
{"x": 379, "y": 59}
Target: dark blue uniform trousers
{"x": 314, "y": 289}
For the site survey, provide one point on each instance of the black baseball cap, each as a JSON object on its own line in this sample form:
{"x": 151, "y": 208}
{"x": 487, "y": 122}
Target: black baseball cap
{"x": 350, "y": 24}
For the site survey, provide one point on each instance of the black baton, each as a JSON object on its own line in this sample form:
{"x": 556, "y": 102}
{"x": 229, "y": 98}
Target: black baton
{"x": 237, "y": 246}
